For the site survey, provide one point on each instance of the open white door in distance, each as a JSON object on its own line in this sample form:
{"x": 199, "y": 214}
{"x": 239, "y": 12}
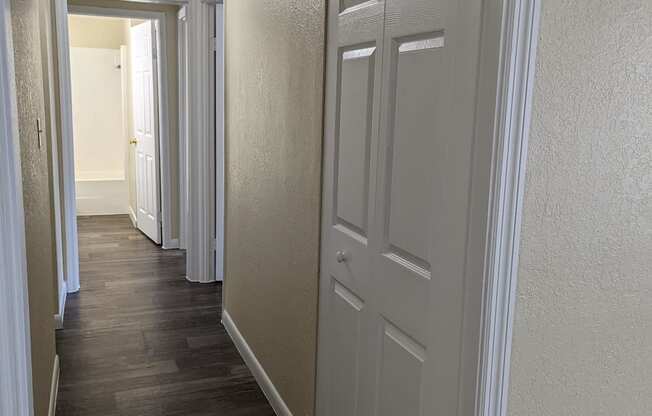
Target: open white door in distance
{"x": 145, "y": 112}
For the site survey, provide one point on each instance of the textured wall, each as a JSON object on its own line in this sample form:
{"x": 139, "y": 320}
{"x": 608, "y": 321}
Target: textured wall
{"x": 96, "y": 32}
{"x": 274, "y": 78}
{"x": 41, "y": 269}
{"x": 583, "y": 330}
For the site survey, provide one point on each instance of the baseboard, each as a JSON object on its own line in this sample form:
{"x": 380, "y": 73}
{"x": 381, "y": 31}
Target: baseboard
{"x": 132, "y": 216}
{"x": 58, "y": 318}
{"x": 265, "y": 383}
{"x": 54, "y": 389}
{"x": 171, "y": 245}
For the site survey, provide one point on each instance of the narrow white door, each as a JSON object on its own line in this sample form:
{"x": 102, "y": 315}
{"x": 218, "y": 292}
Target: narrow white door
{"x": 400, "y": 111}
{"x": 145, "y": 113}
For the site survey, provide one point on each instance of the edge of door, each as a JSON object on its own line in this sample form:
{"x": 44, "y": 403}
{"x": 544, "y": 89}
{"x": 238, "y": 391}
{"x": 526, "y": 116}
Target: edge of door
{"x": 15, "y": 344}
{"x": 507, "y": 63}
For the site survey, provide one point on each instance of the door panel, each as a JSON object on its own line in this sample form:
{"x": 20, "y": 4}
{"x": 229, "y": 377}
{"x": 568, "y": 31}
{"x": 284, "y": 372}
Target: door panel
{"x": 145, "y": 114}
{"x": 349, "y": 207}
{"x": 347, "y": 310}
{"x": 354, "y": 136}
{"x": 401, "y": 374}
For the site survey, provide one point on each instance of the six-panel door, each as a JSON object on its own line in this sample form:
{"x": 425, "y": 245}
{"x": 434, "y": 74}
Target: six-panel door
{"x": 398, "y": 162}
{"x": 143, "y": 42}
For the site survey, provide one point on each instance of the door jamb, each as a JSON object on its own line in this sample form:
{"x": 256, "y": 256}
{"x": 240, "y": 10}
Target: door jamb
{"x": 182, "y": 56}
{"x": 519, "y": 32}
{"x": 16, "y": 396}
{"x": 71, "y": 261}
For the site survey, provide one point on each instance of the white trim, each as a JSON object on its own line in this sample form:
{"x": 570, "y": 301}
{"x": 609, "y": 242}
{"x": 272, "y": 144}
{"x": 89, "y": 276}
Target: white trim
{"x": 265, "y": 383}
{"x": 16, "y": 397}
{"x": 58, "y": 318}
{"x": 219, "y": 143}
{"x": 182, "y": 53}
{"x": 132, "y": 217}
{"x": 199, "y": 255}
{"x": 520, "y": 28}
{"x": 54, "y": 388}
{"x": 67, "y": 146}
{"x": 49, "y": 96}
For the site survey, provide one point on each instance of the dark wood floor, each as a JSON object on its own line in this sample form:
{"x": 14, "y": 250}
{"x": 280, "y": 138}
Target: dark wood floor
{"x": 139, "y": 340}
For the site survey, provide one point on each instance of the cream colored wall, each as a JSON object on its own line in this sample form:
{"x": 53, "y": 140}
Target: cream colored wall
{"x": 274, "y": 80}
{"x": 131, "y": 150}
{"x": 39, "y": 232}
{"x": 173, "y": 95}
{"x": 96, "y": 32}
{"x": 583, "y": 325}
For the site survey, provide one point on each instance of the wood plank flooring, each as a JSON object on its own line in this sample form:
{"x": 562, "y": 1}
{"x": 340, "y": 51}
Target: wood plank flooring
{"x": 139, "y": 340}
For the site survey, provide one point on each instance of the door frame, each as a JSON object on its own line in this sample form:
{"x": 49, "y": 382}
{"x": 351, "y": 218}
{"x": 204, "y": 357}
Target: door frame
{"x": 16, "y": 396}
{"x": 198, "y": 239}
{"x": 65, "y": 91}
{"x": 517, "y": 24}
{"x": 510, "y": 30}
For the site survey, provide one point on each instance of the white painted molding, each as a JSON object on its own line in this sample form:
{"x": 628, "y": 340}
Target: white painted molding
{"x": 132, "y": 217}
{"x": 519, "y": 34}
{"x": 219, "y": 143}
{"x": 58, "y": 318}
{"x": 49, "y": 83}
{"x": 182, "y": 49}
{"x": 16, "y": 397}
{"x": 265, "y": 383}
{"x": 67, "y": 146}
{"x": 200, "y": 228}
{"x": 54, "y": 388}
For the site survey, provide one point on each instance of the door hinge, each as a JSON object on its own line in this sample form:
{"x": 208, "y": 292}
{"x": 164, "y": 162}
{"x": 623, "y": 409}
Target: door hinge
{"x": 213, "y": 44}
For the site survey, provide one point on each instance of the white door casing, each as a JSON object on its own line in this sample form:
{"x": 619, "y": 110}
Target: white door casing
{"x": 145, "y": 113}
{"x": 400, "y": 114}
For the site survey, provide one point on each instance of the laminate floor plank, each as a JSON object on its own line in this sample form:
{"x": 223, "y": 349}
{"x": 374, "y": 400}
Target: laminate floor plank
{"x": 140, "y": 340}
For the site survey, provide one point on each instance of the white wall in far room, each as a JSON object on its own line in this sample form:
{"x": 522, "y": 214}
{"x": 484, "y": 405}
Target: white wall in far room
{"x": 99, "y": 132}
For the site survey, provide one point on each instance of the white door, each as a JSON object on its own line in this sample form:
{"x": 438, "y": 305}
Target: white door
{"x": 145, "y": 113}
{"x": 400, "y": 111}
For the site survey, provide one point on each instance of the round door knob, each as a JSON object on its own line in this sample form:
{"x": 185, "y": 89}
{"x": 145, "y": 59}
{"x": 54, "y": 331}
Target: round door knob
{"x": 341, "y": 256}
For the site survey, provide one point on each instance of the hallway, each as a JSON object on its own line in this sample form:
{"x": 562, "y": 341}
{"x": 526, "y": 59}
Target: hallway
{"x": 139, "y": 340}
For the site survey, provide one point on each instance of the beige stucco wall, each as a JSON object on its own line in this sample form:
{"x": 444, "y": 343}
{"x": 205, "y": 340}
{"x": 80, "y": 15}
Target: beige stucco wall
{"x": 274, "y": 78}
{"x": 39, "y": 233}
{"x": 96, "y": 32}
{"x": 583, "y": 324}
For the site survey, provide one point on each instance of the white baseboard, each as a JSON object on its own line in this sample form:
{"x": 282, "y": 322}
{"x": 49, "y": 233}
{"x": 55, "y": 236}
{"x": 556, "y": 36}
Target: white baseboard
{"x": 132, "y": 216}
{"x": 101, "y": 196}
{"x": 54, "y": 389}
{"x": 58, "y": 318}
{"x": 265, "y": 383}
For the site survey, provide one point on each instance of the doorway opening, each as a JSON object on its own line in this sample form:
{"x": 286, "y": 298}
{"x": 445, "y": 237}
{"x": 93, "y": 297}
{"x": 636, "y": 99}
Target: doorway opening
{"x": 115, "y": 112}
{"x": 117, "y": 88}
